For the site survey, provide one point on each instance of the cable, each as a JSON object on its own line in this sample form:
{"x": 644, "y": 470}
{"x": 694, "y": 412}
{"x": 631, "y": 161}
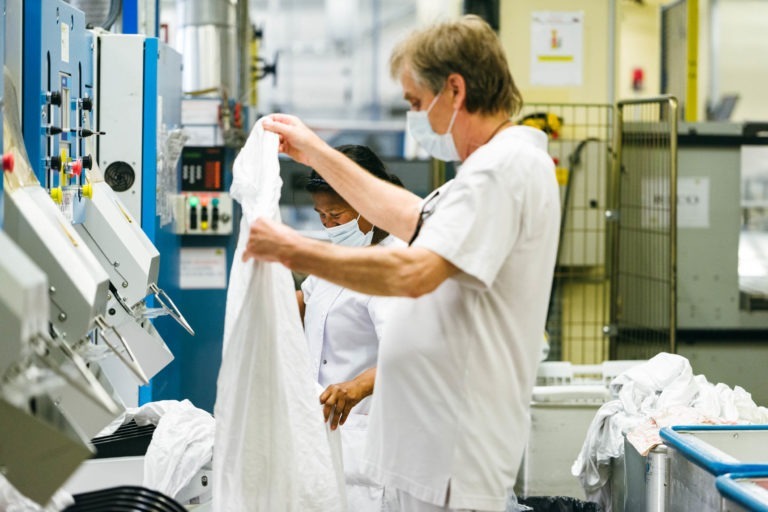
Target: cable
{"x": 115, "y": 9}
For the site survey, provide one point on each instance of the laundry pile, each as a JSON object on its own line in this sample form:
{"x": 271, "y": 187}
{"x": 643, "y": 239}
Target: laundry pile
{"x": 660, "y": 392}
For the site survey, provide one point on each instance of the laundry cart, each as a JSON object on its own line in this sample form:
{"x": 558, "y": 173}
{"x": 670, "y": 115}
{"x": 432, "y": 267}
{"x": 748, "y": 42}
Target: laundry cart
{"x": 700, "y": 454}
{"x": 639, "y": 483}
{"x": 743, "y": 492}
{"x": 563, "y": 404}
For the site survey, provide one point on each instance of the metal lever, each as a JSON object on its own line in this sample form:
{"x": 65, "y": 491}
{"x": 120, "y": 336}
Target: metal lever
{"x": 93, "y": 390}
{"x": 131, "y": 363}
{"x": 172, "y": 309}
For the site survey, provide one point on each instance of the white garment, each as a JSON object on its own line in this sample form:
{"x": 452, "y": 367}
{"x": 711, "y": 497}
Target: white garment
{"x": 181, "y": 445}
{"x": 457, "y": 366}
{"x": 343, "y": 328}
{"x": 272, "y": 448}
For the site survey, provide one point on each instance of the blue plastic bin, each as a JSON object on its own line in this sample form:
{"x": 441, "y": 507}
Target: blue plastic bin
{"x": 744, "y": 491}
{"x": 701, "y": 453}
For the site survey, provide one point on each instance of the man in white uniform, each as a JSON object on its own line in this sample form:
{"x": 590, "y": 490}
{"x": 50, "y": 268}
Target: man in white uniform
{"x": 457, "y": 361}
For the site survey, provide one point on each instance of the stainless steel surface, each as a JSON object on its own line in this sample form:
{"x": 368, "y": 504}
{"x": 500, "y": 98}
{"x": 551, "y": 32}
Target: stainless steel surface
{"x": 644, "y": 236}
{"x": 89, "y": 417}
{"x": 207, "y": 39}
{"x": 26, "y": 449}
{"x": 23, "y": 303}
{"x": 243, "y": 50}
{"x": 691, "y": 488}
{"x": 645, "y": 480}
{"x": 708, "y": 286}
{"x": 657, "y": 480}
{"x": 121, "y": 247}
{"x": 149, "y": 349}
{"x": 78, "y": 284}
{"x": 206, "y": 12}
{"x": 95, "y": 10}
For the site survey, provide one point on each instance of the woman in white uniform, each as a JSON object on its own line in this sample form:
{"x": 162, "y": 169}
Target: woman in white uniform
{"x": 343, "y": 329}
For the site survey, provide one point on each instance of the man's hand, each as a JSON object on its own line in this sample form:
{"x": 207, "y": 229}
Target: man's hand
{"x": 339, "y": 399}
{"x": 271, "y": 241}
{"x": 296, "y": 139}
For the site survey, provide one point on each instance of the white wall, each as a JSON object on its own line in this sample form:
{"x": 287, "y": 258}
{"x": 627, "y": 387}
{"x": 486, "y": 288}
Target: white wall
{"x": 639, "y": 47}
{"x": 598, "y": 50}
{"x": 742, "y": 55}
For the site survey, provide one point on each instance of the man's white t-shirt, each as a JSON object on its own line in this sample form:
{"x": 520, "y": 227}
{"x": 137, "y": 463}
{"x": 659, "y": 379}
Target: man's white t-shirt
{"x": 450, "y": 414}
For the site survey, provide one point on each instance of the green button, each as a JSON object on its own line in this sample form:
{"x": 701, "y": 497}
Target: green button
{"x": 193, "y": 201}
{"x": 215, "y": 201}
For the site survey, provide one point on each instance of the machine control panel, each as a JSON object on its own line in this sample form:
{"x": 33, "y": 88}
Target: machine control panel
{"x": 203, "y": 213}
{"x": 203, "y": 207}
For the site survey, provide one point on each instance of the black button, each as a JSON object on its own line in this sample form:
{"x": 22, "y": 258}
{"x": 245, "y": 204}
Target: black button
{"x": 325, "y": 362}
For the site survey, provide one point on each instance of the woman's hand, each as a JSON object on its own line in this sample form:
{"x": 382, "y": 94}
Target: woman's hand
{"x": 296, "y": 139}
{"x": 339, "y": 399}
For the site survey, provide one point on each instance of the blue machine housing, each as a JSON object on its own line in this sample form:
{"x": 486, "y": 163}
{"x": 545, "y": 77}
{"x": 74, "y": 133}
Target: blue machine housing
{"x": 47, "y": 66}
{"x": 195, "y": 369}
{"x": 57, "y": 57}
{"x": 192, "y": 374}
{"x": 168, "y": 384}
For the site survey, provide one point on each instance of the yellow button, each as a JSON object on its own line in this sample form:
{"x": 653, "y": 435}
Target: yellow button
{"x": 56, "y": 195}
{"x": 204, "y": 225}
{"x": 88, "y": 191}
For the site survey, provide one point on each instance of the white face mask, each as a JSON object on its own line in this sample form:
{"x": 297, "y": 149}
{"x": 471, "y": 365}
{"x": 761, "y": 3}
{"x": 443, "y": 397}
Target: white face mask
{"x": 349, "y": 234}
{"x": 440, "y": 146}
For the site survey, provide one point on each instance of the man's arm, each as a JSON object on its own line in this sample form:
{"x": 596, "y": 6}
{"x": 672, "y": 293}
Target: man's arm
{"x": 387, "y": 206}
{"x": 392, "y": 271}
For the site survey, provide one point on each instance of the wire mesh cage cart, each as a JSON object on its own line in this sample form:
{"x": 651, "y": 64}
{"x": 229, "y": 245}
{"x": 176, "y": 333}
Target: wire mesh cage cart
{"x": 643, "y": 230}
{"x": 580, "y": 142}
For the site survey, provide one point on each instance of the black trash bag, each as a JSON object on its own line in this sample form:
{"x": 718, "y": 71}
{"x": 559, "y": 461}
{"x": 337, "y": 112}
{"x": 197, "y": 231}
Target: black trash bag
{"x": 559, "y": 504}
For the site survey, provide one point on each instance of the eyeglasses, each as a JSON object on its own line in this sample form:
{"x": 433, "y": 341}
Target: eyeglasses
{"x": 426, "y": 210}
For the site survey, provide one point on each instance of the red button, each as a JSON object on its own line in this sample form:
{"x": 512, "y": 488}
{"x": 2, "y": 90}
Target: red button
{"x": 77, "y": 167}
{"x": 8, "y": 162}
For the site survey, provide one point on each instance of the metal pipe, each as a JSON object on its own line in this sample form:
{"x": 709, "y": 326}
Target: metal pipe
{"x": 612, "y": 228}
{"x": 243, "y": 49}
{"x": 208, "y": 43}
{"x": 673, "y": 119}
{"x": 115, "y": 9}
{"x": 692, "y": 81}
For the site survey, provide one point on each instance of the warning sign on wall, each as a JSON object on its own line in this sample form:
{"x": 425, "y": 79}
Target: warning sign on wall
{"x": 557, "y": 41}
